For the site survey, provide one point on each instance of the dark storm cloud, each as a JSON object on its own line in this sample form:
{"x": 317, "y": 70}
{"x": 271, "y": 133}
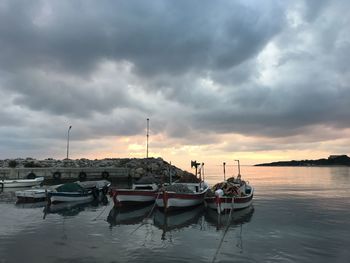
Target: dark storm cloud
{"x": 197, "y": 68}
{"x": 156, "y": 36}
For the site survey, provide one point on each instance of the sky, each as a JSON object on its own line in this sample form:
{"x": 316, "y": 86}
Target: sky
{"x": 258, "y": 81}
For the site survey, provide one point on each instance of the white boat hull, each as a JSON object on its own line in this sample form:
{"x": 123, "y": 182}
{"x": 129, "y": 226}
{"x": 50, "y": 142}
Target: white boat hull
{"x": 178, "y": 202}
{"x": 32, "y": 195}
{"x": 172, "y": 200}
{"x": 22, "y": 182}
{"x": 70, "y": 197}
{"x": 229, "y": 203}
{"x": 125, "y": 196}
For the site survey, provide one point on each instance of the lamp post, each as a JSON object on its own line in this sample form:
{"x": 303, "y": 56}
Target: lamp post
{"x": 70, "y": 127}
{"x": 147, "y": 137}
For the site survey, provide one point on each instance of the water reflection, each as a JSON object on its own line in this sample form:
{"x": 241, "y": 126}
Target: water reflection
{"x": 31, "y": 205}
{"x": 236, "y": 218}
{"x": 128, "y": 215}
{"x": 73, "y": 208}
{"x": 176, "y": 220}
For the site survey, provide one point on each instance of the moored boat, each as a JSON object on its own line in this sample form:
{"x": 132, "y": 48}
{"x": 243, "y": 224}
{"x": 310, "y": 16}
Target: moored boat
{"x": 139, "y": 194}
{"x": 142, "y": 192}
{"x": 231, "y": 194}
{"x": 41, "y": 194}
{"x": 71, "y": 192}
{"x": 32, "y": 195}
{"x": 186, "y": 192}
{"x": 222, "y": 200}
{"x": 21, "y": 182}
{"x": 181, "y": 195}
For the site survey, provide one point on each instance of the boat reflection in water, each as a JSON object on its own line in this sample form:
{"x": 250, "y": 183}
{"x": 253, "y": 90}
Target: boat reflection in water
{"x": 73, "y": 208}
{"x": 31, "y": 205}
{"x": 227, "y": 221}
{"x": 234, "y": 218}
{"x": 129, "y": 215}
{"x": 177, "y": 219}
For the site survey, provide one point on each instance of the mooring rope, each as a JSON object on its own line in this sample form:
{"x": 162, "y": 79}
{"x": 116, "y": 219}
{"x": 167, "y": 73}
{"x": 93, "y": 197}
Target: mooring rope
{"x": 143, "y": 223}
{"x": 225, "y": 232}
{"x": 100, "y": 213}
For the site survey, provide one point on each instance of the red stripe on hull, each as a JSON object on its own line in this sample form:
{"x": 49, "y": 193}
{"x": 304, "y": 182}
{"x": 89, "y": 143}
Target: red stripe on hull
{"x": 182, "y": 196}
{"x": 237, "y": 200}
{"x": 133, "y": 192}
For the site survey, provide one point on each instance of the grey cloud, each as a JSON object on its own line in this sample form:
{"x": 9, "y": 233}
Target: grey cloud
{"x": 155, "y": 36}
{"x": 193, "y": 67}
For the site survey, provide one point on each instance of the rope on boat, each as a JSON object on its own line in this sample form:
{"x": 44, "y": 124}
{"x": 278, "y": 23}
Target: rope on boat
{"x": 143, "y": 223}
{"x": 225, "y": 232}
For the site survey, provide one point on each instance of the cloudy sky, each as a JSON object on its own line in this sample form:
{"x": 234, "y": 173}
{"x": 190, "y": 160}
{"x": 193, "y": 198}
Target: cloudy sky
{"x": 220, "y": 80}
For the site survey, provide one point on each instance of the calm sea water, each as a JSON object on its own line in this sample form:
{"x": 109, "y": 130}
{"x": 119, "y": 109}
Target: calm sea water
{"x": 298, "y": 215}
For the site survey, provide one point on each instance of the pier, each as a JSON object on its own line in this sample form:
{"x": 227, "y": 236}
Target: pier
{"x": 65, "y": 173}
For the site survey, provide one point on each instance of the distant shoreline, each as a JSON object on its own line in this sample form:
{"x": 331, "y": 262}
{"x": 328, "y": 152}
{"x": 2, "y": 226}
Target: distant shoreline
{"x": 332, "y": 160}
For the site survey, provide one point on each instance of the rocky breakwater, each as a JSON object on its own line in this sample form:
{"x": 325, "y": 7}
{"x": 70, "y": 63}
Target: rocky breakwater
{"x": 136, "y": 167}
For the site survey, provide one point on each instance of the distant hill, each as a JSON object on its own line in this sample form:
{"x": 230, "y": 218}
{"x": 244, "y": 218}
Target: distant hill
{"x": 331, "y": 160}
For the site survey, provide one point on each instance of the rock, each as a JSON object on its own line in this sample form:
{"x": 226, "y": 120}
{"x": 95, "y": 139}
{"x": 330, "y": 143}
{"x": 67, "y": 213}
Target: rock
{"x": 139, "y": 171}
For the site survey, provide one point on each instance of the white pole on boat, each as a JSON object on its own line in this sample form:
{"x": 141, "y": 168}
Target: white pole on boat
{"x": 203, "y": 171}
{"x": 239, "y": 168}
{"x": 147, "y": 135}
{"x": 70, "y": 127}
{"x": 224, "y": 164}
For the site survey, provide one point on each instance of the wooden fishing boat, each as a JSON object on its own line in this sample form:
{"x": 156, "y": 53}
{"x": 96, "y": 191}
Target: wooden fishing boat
{"x": 240, "y": 198}
{"x": 21, "y": 182}
{"x": 177, "y": 199}
{"x": 139, "y": 194}
{"x": 231, "y": 194}
{"x": 188, "y": 191}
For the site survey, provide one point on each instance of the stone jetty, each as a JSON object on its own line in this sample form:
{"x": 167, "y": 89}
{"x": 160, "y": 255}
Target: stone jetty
{"x": 119, "y": 168}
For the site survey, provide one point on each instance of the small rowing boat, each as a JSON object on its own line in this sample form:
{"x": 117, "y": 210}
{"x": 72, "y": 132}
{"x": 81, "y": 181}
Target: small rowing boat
{"x": 41, "y": 194}
{"x": 21, "y": 182}
{"x": 78, "y": 191}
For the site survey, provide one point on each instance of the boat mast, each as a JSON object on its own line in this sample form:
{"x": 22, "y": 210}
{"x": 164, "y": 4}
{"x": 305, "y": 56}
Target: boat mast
{"x": 239, "y": 168}
{"x": 203, "y": 171}
{"x": 224, "y": 164}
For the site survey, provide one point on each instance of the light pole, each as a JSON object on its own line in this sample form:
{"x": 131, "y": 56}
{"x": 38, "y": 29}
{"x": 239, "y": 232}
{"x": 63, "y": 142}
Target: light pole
{"x": 70, "y": 127}
{"x": 147, "y": 137}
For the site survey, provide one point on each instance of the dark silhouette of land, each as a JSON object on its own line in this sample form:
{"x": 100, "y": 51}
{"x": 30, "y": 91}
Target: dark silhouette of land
{"x": 331, "y": 160}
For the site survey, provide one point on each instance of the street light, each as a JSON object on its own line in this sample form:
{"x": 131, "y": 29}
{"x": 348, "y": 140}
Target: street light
{"x": 70, "y": 127}
{"x": 147, "y": 135}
